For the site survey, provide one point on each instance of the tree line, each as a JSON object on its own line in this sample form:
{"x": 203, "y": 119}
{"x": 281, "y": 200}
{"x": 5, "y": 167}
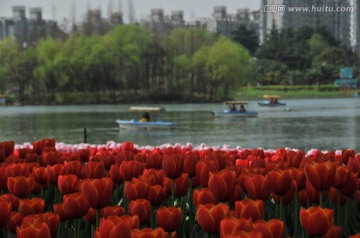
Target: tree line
{"x": 130, "y": 63}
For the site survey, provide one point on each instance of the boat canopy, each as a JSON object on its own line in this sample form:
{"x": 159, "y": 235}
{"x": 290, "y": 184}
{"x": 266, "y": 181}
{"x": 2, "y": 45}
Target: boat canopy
{"x": 146, "y": 109}
{"x": 271, "y": 96}
{"x": 236, "y": 102}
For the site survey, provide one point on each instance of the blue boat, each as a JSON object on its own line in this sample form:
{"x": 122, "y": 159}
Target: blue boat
{"x": 271, "y": 101}
{"x": 134, "y": 124}
{"x": 233, "y": 111}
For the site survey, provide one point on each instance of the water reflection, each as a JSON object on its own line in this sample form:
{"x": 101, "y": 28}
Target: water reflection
{"x": 317, "y": 123}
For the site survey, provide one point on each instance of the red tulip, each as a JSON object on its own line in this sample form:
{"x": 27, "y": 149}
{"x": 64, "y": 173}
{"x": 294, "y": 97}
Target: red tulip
{"x": 40, "y": 175}
{"x": 309, "y": 194}
{"x": 210, "y": 215}
{"x": 112, "y": 211}
{"x": 154, "y": 159}
{"x": 31, "y": 157}
{"x": 135, "y": 189}
{"x": 249, "y": 208}
{"x": 334, "y": 232}
{"x": 342, "y": 177}
{"x": 94, "y": 169}
{"x": 141, "y": 208}
{"x": 68, "y": 183}
{"x": 149, "y": 233}
{"x": 90, "y": 216}
{"x": 15, "y": 170}
{"x": 39, "y": 145}
{"x": 232, "y": 226}
{"x": 346, "y": 155}
{"x": 50, "y": 157}
{"x": 281, "y": 181}
{"x": 83, "y": 154}
{"x": 115, "y": 174}
{"x": 75, "y": 205}
{"x": 5, "y": 211}
{"x": 14, "y": 221}
{"x": 288, "y": 197}
{"x": 202, "y": 171}
{"x": 316, "y": 220}
{"x": 169, "y": 218}
{"x": 181, "y": 185}
{"x": 299, "y": 176}
{"x": 173, "y": 165}
{"x": 258, "y": 186}
{"x": 153, "y": 177}
{"x": 354, "y": 164}
{"x": 10, "y": 198}
{"x": 320, "y": 174}
{"x": 273, "y": 228}
{"x": 31, "y": 206}
{"x": 51, "y": 219}
{"x": 114, "y": 227}
{"x": 294, "y": 158}
{"x": 20, "y": 186}
{"x": 236, "y": 196}
{"x": 59, "y": 209}
{"x": 222, "y": 184}
{"x": 106, "y": 158}
{"x": 131, "y": 169}
{"x": 156, "y": 195}
{"x": 8, "y": 147}
{"x": 53, "y": 173}
{"x": 98, "y": 192}
{"x": 203, "y": 196}
{"x": 3, "y": 178}
{"x": 191, "y": 159}
{"x": 351, "y": 186}
{"x": 73, "y": 167}
{"x": 38, "y": 229}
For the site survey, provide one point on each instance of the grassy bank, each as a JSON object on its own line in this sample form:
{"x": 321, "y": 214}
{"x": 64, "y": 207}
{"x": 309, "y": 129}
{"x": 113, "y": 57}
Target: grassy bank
{"x": 294, "y": 91}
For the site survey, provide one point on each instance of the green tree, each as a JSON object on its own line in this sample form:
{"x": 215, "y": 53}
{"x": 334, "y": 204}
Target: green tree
{"x": 226, "y": 66}
{"x": 246, "y": 37}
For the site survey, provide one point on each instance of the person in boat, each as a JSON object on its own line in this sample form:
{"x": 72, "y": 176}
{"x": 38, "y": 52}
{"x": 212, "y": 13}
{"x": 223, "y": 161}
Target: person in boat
{"x": 145, "y": 117}
{"x": 232, "y": 108}
{"x": 242, "y": 108}
{"x": 275, "y": 100}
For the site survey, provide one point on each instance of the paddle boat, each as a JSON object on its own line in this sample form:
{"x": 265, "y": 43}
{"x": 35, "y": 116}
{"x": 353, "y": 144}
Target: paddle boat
{"x": 271, "y": 101}
{"x": 233, "y": 111}
{"x": 147, "y": 109}
{"x": 134, "y": 124}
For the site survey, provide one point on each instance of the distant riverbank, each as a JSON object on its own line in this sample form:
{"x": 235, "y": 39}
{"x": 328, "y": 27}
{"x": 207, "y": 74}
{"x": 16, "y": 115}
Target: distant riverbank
{"x": 294, "y": 91}
{"x": 245, "y": 93}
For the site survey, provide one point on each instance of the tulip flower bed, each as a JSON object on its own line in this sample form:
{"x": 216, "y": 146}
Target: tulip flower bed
{"x": 51, "y": 189}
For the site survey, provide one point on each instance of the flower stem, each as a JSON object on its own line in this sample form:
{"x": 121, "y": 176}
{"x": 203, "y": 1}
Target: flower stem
{"x": 172, "y": 192}
{"x": 321, "y": 192}
{"x": 296, "y": 213}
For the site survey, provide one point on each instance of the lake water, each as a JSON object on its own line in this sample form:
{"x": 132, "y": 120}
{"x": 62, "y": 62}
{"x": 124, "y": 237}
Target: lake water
{"x": 326, "y": 124}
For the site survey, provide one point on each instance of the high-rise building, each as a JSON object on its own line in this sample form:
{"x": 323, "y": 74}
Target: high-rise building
{"x": 355, "y": 26}
{"x": 223, "y": 23}
{"x": 334, "y": 15}
{"x": 27, "y": 31}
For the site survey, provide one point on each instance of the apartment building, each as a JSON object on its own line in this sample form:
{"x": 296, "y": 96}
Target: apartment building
{"x": 335, "y": 15}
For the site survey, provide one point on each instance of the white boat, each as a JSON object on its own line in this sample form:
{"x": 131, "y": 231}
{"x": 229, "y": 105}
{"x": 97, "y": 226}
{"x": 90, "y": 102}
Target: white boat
{"x": 133, "y": 124}
{"x": 233, "y": 111}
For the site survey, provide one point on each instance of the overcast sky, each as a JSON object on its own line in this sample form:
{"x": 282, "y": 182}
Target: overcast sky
{"x": 60, "y": 9}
